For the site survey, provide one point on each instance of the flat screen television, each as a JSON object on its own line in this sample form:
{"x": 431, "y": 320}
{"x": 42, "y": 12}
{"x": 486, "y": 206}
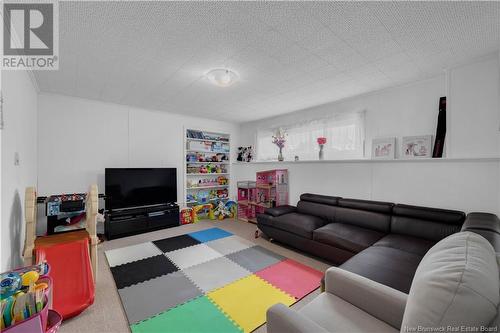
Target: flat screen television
{"x": 136, "y": 187}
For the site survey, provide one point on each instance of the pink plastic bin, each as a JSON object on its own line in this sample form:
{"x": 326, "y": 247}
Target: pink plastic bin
{"x": 42, "y": 321}
{"x": 34, "y": 324}
{"x": 54, "y": 321}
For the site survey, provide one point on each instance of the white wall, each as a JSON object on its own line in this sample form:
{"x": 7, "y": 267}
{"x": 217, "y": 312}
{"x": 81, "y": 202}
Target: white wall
{"x": 19, "y": 135}
{"x": 473, "y": 132}
{"x": 79, "y": 138}
{"x": 463, "y": 185}
{"x": 389, "y": 113}
{"x": 474, "y": 109}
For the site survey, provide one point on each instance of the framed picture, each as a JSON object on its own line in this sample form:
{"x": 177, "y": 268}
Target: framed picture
{"x": 383, "y": 148}
{"x": 416, "y": 146}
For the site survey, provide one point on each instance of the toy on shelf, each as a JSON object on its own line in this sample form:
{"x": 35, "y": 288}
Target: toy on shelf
{"x": 72, "y": 256}
{"x": 222, "y": 180}
{"x": 207, "y": 157}
{"x": 222, "y": 194}
{"x": 208, "y": 146}
{"x": 203, "y": 182}
{"x": 245, "y": 154}
{"x": 210, "y": 168}
{"x": 191, "y": 198}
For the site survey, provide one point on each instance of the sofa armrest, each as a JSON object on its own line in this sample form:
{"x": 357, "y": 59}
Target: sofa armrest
{"x": 280, "y": 210}
{"x": 282, "y": 319}
{"x": 380, "y": 301}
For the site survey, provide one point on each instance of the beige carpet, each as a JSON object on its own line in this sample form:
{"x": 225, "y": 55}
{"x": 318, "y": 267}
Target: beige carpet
{"x": 107, "y": 315}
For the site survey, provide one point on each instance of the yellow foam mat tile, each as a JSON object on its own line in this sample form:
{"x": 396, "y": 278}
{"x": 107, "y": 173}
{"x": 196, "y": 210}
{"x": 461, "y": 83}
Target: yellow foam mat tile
{"x": 247, "y": 300}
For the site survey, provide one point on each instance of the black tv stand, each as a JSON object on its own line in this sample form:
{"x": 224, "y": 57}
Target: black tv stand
{"x": 132, "y": 221}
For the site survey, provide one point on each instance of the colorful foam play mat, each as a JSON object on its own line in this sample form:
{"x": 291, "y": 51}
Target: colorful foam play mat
{"x": 205, "y": 281}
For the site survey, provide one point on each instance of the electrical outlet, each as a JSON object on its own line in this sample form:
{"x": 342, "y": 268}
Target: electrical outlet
{"x": 16, "y": 159}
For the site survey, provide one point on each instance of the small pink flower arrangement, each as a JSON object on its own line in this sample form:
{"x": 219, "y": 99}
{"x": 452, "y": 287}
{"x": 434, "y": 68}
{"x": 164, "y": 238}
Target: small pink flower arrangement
{"x": 321, "y": 140}
{"x": 279, "y": 138}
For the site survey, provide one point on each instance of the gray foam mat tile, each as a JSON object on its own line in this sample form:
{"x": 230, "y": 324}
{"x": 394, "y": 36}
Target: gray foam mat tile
{"x": 151, "y": 297}
{"x": 230, "y": 244}
{"x": 192, "y": 255}
{"x": 255, "y": 258}
{"x": 131, "y": 253}
{"x": 215, "y": 273}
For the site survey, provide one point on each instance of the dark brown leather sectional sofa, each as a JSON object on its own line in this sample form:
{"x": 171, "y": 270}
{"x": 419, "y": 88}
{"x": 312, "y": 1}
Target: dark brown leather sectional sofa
{"x": 382, "y": 241}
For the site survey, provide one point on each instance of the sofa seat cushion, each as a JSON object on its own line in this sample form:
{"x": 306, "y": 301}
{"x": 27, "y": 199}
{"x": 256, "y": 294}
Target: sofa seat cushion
{"x": 296, "y": 223}
{"x": 418, "y": 246}
{"x": 346, "y": 236}
{"x": 386, "y": 265}
{"x": 336, "y": 315}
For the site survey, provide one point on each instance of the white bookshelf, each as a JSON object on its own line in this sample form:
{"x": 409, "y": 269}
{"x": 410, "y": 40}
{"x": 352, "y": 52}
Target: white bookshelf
{"x": 213, "y": 148}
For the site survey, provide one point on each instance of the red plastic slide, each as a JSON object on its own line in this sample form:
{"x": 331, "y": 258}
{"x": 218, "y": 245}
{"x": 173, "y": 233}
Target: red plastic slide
{"x": 71, "y": 272}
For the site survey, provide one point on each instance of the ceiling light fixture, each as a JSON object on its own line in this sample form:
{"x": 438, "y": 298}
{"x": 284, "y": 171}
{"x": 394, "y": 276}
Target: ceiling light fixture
{"x": 222, "y": 77}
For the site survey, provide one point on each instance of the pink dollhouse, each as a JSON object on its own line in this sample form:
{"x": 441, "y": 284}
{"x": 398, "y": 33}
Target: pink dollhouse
{"x": 269, "y": 190}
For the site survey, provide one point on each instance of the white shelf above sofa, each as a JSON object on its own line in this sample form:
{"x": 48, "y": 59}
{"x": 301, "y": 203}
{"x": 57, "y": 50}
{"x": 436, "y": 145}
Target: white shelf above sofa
{"x": 368, "y": 160}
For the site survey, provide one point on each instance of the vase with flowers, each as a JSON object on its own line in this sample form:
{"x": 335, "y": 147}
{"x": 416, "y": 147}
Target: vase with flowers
{"x": 279, "y": 140}
{"x": 321, "y": 143}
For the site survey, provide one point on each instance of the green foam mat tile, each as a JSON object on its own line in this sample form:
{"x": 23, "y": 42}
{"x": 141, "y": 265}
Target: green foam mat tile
{"x": 196, "y": 316}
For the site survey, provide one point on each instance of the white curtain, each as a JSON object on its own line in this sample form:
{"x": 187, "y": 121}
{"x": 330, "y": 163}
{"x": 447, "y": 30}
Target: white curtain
{"x": 344, "y": 132}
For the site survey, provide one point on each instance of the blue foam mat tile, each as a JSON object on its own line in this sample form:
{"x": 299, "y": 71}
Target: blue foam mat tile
{"x": 209, "y": 234}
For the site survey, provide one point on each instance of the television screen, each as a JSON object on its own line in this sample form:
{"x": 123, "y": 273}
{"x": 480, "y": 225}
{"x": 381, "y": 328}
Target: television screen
{"x": 134, "y": 187}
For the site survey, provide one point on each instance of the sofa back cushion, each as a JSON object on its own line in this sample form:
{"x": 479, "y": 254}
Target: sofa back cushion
{"x": 322, "y": 206}
{"x": 429, "y": 223}
{"x": 456, "y": 284}
{"x": 374, "y": 215}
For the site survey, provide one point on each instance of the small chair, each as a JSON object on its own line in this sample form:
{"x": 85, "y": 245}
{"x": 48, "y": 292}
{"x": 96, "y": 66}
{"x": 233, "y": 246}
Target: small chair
{"x": 456, "y": 285}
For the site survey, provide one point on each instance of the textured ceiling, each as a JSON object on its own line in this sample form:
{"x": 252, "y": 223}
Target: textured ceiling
{"x": 290, "y": 55}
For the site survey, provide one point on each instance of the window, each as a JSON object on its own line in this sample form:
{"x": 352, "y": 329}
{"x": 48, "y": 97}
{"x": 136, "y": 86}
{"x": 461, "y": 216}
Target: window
{"x": 345, "y": 134}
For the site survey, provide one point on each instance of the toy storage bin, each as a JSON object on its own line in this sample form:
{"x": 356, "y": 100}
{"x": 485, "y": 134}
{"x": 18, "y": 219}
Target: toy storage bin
{"x": 44, "y": 320}
{"x": 34, "y": 324}
{"x": 54, "y": 320}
